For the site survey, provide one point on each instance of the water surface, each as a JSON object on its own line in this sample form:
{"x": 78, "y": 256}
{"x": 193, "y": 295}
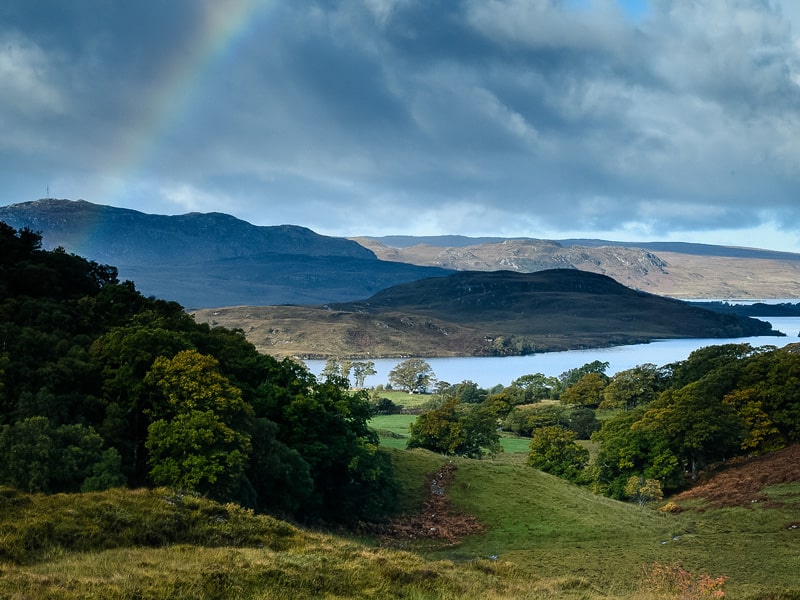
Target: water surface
{"x": 490, "y": 371}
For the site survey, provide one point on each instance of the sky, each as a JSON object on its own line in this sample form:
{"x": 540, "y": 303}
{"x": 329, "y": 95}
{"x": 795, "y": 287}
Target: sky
{"x": 672, "y": 120}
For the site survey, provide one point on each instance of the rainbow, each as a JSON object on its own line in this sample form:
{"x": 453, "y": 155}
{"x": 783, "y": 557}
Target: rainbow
{"x": 226, "y": 27}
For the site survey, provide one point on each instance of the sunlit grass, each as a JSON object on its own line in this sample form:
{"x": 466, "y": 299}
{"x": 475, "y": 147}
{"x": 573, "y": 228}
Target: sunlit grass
{"x": 514, "y": 444}
{"x": 396, "y": 424}
{"x": 405, "y": 399}
{"x": 393, "y": 432}
{"x": 323, "y": 568}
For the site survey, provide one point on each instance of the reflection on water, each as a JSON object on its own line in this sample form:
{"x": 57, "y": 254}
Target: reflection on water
{"x": 490, "y": 371}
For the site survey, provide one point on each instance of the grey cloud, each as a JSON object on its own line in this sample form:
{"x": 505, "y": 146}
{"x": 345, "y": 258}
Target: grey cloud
{"x": 477, "y": 114}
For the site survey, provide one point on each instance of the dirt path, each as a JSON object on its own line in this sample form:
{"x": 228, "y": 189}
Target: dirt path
{"x": 437, "y": 520}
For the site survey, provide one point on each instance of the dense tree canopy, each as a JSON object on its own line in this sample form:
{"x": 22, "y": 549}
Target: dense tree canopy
{"x": 553, "y": 449}
{"x": 100, "y": 386}
{"x": 633, "y": 387}
{"x": 659, "y": 424}
{"x": 199, "y": 437}
{"x": 586, "y": 391}
{"x": 569, "y": 378}
{"x": 720, "y": 402}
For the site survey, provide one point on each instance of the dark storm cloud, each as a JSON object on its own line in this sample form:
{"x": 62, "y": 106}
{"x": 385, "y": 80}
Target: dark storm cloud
{"x": 511, "y": 117}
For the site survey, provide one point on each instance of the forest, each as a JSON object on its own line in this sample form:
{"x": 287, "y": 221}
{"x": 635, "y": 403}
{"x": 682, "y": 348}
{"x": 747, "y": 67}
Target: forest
{"x": 102, "y": 387}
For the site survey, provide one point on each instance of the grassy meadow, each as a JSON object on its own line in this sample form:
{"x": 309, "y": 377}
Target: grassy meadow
{"x": 543, "y": 538}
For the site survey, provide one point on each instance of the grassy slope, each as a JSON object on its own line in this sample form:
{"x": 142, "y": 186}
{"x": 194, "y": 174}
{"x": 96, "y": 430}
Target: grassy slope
{"x": 543, "y": 524}
{"x": 552, "y": 541}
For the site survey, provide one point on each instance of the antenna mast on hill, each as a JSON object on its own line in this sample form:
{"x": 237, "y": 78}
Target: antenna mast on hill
{"x": 47, "y": 197}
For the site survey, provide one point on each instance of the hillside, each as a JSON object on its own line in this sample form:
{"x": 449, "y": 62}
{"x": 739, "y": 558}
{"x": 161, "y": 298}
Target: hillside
{"x": 479, "y": 314}
{"x": 667, "y": 269}
{"x": 202, "y": 260}
{"x": 539, "y": 537}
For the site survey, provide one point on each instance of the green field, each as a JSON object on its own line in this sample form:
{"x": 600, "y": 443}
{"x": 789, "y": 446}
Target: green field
{"x": 405, "y": 399}
{"x": 393, "y": 431}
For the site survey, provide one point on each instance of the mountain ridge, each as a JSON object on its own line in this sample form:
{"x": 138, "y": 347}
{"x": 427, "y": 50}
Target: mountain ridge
{"x": 696, "y": 248}
{"x": 354, "y": 303}
{"x": 107, "y": 233}
{"x": 213, "y": 259}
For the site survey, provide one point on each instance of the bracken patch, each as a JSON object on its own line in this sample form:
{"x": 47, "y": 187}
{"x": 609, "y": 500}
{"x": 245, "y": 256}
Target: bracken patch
{"x": 741, "y": 483}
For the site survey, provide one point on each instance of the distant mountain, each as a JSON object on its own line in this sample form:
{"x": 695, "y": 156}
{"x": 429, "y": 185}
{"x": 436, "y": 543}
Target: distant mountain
{"x": 462, "y": 241}
{"x": 439, "y": 241}
{"x": 480, "y": 314}
{"x": 673, "y": 269}
{"x": 690, "y": 248}
{"x": 204, "y": 260}
{"x": 123, "y": 236}
{"x": 523, "y": 255}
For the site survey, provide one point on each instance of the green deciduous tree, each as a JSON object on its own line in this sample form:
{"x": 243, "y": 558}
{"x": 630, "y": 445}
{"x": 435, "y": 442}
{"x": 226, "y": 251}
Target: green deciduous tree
{"x": 468, "y": 392}
{"x": 438, "y": 430}
{"x": 524, "y": 420}
{"x": 195, "y": 451}
{"x": 361, "y": 370}
{"x": 123, "y": 356}
{"x": 704, "y": 361}
{"x": 327, "y": 425}
{"x": 760, "y": 432}
{"x": 583, "y": 421}
{"x": 192, "y": 381}
{"x": 633, "y": 387}
{"x": 570, "y": 377}
{"x": 553, "y": 450}
{"x": 642, "y": 490}
{"x": 333, "y": 369}
{"x": 696, "y": 424}
{"x": 587, "y": 391}
{"x": 412, "y": 375}
{"x": 278, "y": 474}
{"x": 769, "y": 388}
{"x": 534, "y": 387}
{"x": 456, "y": 429}
{"x": 199, "y": 438}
